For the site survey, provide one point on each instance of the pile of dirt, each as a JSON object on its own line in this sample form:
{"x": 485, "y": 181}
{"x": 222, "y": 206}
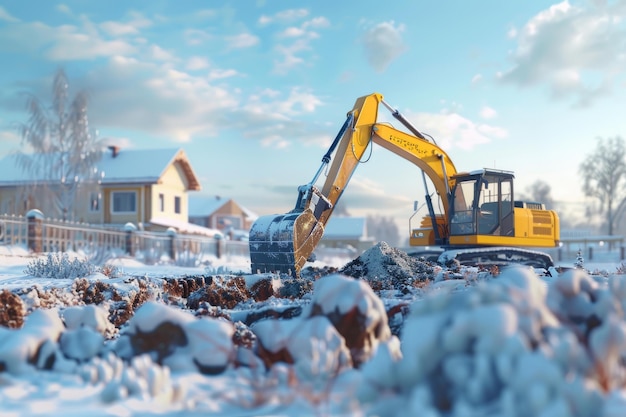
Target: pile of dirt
{"x": 388, "y": 268}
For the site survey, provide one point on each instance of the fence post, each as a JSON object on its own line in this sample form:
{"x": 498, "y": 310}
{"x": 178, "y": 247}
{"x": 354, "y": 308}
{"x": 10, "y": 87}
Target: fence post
{"x": 219, "y": 242}
{"x": 130, "y": 229}
{"x": 171, "y": 232}
{"x": 590, "y": 253}
{"x": 35, "y": 227}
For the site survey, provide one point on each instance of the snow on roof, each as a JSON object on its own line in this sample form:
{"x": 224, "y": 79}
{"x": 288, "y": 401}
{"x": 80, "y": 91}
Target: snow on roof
{"x": 345, "y": 228}
{"x": 205, "y": 205}
{"x": 185, "y": 227}
{"x": 127, "y": 166}
{"x": 201, "y": 205}
{"x": 135, "y": 164}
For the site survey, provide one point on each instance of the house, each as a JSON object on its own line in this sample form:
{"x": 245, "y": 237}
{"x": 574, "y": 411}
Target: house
{"x": 223, "y": 214}
{"x": 146, "y": 187}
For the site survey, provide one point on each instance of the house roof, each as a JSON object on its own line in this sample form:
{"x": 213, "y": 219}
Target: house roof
{"x": 201, "y": 205}
{"x": 144, "y": 166}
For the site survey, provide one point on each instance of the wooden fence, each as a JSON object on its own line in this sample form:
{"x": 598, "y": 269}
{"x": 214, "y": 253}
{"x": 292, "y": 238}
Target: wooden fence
{"x": 42, "y": 235}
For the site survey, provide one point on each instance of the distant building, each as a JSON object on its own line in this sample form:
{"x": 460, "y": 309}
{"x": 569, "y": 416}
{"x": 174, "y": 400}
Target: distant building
{"x": 342, "y": 231}
{"x": 223, "y": 214}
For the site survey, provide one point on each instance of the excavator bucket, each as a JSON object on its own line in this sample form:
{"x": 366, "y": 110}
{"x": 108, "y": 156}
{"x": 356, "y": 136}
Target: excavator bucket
{"x": 283, "y": 243}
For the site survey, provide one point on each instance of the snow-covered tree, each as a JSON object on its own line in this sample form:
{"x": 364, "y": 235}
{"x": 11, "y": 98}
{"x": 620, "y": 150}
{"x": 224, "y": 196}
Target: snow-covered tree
{"x": 60, "y": 152}
{"x": 604, "y": 179}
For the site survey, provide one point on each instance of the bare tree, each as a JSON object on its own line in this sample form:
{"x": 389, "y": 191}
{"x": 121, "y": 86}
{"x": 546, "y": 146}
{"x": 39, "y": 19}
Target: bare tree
{"x": 383, "y": 229}
{"x": 604, "y": 178}
{"x": 541, "y": 192}
{"x": 63, "y": 152}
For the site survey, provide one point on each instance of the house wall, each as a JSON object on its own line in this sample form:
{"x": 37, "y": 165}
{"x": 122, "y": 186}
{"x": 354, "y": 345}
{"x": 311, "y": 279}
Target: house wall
{"x": 123, "y": 218}
{"x": 10, "y": 202}
{"x": 172, "y": 185}
{"x": 14, "y": 200}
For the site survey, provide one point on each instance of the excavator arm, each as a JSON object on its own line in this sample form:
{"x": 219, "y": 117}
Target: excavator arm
{"x": 285, "y": 242}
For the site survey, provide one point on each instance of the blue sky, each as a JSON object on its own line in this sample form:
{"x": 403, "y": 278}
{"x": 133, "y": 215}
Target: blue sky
{"x": 255, "y": 91}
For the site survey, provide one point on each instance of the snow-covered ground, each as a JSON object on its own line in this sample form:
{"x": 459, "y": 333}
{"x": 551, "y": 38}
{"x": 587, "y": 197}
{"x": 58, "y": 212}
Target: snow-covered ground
{"x": 403, "y": 338}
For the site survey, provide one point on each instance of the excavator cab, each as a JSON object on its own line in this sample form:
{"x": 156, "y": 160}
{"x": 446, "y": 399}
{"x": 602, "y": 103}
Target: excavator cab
{"x": 482, "y": 204}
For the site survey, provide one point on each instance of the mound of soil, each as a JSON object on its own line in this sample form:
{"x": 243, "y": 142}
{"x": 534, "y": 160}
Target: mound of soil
{"x": 388, "y": 268}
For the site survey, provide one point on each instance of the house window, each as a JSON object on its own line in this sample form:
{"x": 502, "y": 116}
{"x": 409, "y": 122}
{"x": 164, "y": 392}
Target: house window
{"x": 94, "y": 201}
{"x": 124, "y": 202}
{"x": 162, "y": 202}
{"x": 177, "y": 205}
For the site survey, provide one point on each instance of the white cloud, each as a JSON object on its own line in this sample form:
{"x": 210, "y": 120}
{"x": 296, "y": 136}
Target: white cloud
{"x": 383, "y": 43}
{"x": 288, "y": 58}
{"x": 477, "y": 78}
{"x": 451, "y": 130}
{"x": 577, "y": 52}
{"x": 284, "y": 16}
{"x": 197, "y": 63}
{"x": 275, "y": 141}
{"x": 316, "y": 22}
{"x": 488, "y": 113}
{"x": 217, "y": 74}
{"x": 292, "y": 32}
{"x": 302, "y": 37}
{"x": 160, "y": 54}
{"x": 299, "y": 102}
{"x": 130, "y": 27}
{"x": 169, "y": 103}
{"x": 196, "y": 36}
{"x": 9, "y": 137}
{"x": 61, "y": 43}
{"x": 64, "y": 8}
{"x": 243, "y": 40}
{"x": 6, "y": 16}
{"x": 118, "y": 29}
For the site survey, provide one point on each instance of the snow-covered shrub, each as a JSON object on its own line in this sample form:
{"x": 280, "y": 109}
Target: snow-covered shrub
{"x": 355, "y": 310}
{"x": 313, "y": 345}
{"x": 90, "y": 316}
{"x": 20, "y": 349}
{"x": 81, "y": 344}
{"x": 496, "y": 349}
{"x": 59, "y": 265}
{"x": 176, "y": 338}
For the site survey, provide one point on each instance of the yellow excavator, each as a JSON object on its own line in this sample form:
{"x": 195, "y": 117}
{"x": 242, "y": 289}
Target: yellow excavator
{"x": 481, "y": 223}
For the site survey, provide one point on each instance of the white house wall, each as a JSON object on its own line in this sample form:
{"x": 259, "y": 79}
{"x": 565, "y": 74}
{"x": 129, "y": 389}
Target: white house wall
{"x": 171, "y": 185}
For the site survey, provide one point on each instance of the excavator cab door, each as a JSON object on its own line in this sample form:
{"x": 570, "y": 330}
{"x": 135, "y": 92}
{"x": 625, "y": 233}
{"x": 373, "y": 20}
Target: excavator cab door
{"x": 482, "y": 204}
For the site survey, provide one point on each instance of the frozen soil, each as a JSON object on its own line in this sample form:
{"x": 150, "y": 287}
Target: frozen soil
{"x": 392, "y": 274}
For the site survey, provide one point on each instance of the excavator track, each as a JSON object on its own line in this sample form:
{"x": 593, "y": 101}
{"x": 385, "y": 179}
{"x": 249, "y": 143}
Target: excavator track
{"x": 496, "y": 256}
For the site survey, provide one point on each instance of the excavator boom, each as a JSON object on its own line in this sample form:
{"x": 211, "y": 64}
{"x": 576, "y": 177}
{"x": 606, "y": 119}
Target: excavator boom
{"x": 285, "y": 242}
